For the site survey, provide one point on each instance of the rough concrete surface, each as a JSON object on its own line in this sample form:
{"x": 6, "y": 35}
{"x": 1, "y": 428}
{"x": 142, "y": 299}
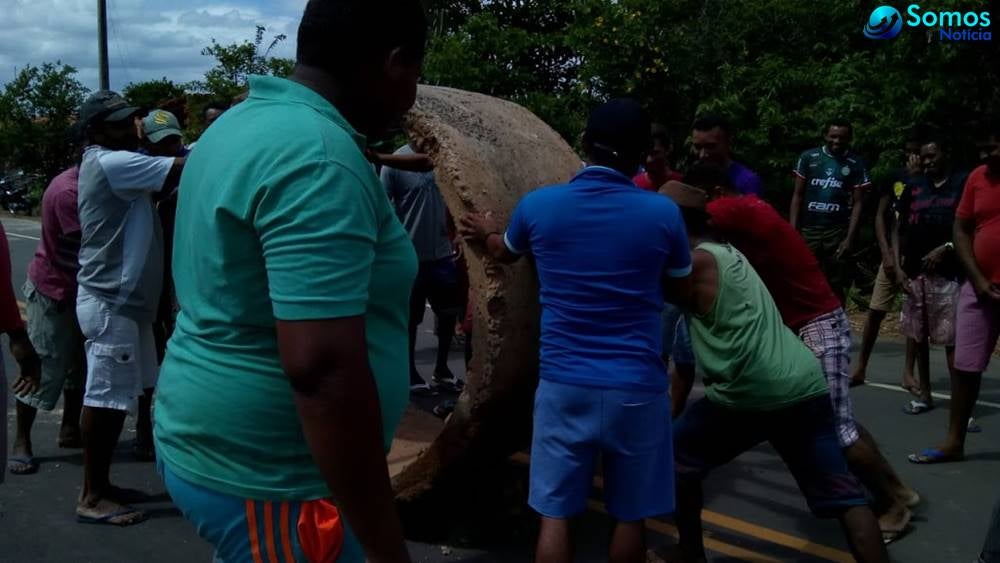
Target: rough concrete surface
{"x": 487, "y": 153}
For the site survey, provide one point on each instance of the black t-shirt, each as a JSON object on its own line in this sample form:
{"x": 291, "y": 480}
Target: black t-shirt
{"x": 926, "y": 219}
{"x": 894, "y": 188}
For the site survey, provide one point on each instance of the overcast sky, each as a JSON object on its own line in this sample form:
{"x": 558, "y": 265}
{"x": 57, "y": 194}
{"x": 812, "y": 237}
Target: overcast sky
{"x": 147, "y": 39}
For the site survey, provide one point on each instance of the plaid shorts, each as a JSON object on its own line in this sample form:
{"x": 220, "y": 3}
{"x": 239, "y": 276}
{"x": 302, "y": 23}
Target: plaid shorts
{"x": 929, "y": 310}
{"x": 829, "y": 338}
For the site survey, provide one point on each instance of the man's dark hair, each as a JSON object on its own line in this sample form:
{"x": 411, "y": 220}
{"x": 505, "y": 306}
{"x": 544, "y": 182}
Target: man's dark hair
{"x": 710, "y": 121}
{"x": 343, "y": 36}
{"x": 934, "y": 135}
{"x": 617, "y": 134}
{"x": 659, "y": 134}
{"x": 707, "y": 175}
{"x": 220, "y": 106}
{"x": 839, "y": 122}
{"x": 696, "y": 220}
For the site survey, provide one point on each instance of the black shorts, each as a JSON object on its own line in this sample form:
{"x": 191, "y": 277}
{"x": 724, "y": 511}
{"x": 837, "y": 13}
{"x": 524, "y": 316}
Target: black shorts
{"x": 438, "y": 283}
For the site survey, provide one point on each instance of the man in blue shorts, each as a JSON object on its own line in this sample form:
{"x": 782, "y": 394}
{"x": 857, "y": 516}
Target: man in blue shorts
{"x": 606, "y": 254}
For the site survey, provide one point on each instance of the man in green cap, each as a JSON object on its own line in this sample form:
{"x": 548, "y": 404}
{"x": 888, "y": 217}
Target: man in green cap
{"x": 162, "y": 134}
{"x": 120, "y": 277}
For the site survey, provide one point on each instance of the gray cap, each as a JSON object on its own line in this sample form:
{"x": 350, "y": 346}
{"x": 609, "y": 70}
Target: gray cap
{"x": 105, "y": 106}
{"x": 159, "y": 125}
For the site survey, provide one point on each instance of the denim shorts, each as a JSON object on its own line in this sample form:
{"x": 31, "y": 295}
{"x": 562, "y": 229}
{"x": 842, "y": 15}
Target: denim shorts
{"x": 246, "y": 530}
{"x": 708, "y": 436}
{"x": 628, "y": 430}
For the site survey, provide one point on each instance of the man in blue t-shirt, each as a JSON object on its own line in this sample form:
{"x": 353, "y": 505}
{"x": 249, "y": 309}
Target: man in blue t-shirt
{"x": 606, "y": 254}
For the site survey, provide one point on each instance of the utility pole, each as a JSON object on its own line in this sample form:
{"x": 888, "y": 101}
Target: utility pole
{"x": 102, "y": 43}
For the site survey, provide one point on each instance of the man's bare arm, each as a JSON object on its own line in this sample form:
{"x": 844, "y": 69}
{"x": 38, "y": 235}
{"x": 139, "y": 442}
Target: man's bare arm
{"x": 882, "y": 230}
{"x": 704, "y": 289}
{"x": 478, "y": 227}
{"x": 326, "y": 362}
{"x": 497, "y": 248}
{"x": 174, "y": 177}
{"x": 797, "y": 195}
{"x": 417, "y": 162}
{"x": 962, "y": 235}
{"x": 857, "y": 208}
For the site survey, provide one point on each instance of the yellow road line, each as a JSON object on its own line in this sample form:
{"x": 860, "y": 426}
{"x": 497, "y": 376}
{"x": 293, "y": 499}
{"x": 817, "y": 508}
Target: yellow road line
{"x": 775, "y": 537}
{"x": 710, "y": 543}
{"x": 746, "y": 528}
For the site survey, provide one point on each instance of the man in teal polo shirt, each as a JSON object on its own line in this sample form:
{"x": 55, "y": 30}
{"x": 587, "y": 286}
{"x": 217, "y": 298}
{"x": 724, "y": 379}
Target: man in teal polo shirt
{"x": 286, "y": 374}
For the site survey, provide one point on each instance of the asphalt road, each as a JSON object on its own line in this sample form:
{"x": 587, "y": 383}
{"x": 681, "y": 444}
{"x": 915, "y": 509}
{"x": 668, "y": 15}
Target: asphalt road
{"x": 753, "y": 511}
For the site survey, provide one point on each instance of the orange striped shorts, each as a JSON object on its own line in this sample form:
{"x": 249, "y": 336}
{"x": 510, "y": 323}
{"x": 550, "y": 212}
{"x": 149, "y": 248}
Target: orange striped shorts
{"x": 264, "y": 531}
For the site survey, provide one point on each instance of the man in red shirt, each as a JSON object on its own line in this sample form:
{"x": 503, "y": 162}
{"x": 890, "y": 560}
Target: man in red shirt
{"x": 50, "y": 292}
{"x": 657, "y": 170}
{"x": 809, "y": 307}
{"x": 20, "y": 346}
{"x": 976, "y": 240}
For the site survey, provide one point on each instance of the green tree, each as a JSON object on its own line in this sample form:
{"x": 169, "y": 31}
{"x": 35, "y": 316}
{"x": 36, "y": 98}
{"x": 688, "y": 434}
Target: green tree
{"x": 152, "y": 94}
{"x": 777, "y": 68}
{"x": 235, "y": 63}
{"x": 515, "y": 50}
{"x": 37, "y": 110}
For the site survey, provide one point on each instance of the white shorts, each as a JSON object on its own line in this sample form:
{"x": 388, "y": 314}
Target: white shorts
{"x": 121, "y": 356}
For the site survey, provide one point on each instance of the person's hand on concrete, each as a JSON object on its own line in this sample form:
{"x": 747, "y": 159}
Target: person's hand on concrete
{"x": 478, "y": 226}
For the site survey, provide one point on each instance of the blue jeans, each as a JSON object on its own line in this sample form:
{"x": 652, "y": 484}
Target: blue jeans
{"x": 708, "y": 436}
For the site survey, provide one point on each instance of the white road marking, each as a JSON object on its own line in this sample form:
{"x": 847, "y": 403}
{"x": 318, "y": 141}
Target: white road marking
{"x": 935, "y": 395}
{"x": 16, "y": 235}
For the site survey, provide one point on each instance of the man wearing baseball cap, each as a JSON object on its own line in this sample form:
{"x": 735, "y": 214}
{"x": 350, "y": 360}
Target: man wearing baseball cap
{"x": 607, "y": 253}
{"x": 161, "y": 136}
{"x": 120, "y": 277}
{"x": 162, "y": 133}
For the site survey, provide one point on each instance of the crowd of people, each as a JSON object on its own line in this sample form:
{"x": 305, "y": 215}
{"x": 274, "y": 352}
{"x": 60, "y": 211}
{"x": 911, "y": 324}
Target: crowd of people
{"x": 279, "y": 278}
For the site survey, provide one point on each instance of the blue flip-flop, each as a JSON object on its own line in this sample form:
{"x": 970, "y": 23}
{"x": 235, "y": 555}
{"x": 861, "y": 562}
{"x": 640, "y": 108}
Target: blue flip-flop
{"x": 931, "y": 456}
{"x": 26, "y": 463}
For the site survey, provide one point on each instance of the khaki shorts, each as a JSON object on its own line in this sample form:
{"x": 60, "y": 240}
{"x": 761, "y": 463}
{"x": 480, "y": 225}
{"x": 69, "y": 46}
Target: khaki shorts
{"x": 884, "y": 293}
{"x": 121, "y": 356}
{"x": 55, "y": 334}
